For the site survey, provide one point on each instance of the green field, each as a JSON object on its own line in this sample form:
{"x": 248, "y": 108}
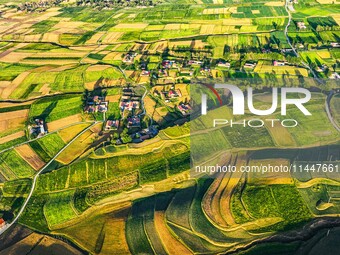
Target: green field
{"x": 12, "y": 166}
{"x": 9, "y": 72}
{"x": 59, "y": 208}
{"x": 48, "y": 146}
{"x": 55, "y": 108}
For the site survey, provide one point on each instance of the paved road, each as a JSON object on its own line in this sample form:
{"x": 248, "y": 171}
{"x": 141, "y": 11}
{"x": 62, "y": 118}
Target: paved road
{"x": 36, "y": 178}
{"x": 329, "y": 112}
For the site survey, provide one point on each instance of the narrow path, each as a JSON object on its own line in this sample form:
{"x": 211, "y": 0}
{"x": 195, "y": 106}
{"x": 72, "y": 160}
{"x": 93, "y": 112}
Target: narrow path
{"x": 36, "y": 178}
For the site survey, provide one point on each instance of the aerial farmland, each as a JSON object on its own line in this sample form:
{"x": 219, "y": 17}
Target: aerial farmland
{"x": 100, "y": 128}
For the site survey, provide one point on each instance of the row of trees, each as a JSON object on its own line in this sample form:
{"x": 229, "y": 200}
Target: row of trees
{"x": 115, "y": 3}
{"x": 43, "y": 4}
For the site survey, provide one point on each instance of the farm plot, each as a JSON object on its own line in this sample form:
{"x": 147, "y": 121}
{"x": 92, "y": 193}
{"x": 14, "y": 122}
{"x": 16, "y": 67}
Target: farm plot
{"x": 26, "y": 152}
{"x": 70, "y": 80}
{"x": 123, "y": 27}
{"x": 317, "y": 57}
{"x": 48, "y": 146}
{"x": 64, "y": 122}
{"x": 316, "y": 128}
{"x": 178, "y": 210}
{"x": 102, "y": 73}
{"x": 55, "y": 108}
{"x": 90, "y": 171}
{"x": 59, "y": 208}
{"x": 8, "y": 72}
{"x": 12, "y": 166}
{"x": 112, "y": 37}
{"x": 135, "y": 228}
{"x": 11, "y": 137}
{"x": 32, "y": 84}
{"x": 260, "y": 178}
{"x": 198, "y": 219}
{"x": 248, "y": 137}
{"x": 281, "y": 136}
{"x": 171, "y": 244}
{"x": 276, "y": 201}
{"x": 107, "y": 228}
{"x": 13, "y": 120}
{"x": 78, "y": 146}
{"x": 281, "y": 70}
{"x": 115, "y": 239}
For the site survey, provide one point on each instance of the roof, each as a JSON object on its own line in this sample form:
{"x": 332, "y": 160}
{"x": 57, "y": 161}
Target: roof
{"x": 2, "y": 220}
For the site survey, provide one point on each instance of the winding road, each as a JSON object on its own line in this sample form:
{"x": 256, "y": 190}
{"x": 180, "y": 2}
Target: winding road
{"x": 289, "y": 7}
{"x": 329, "y": 111}
{"x": 7, "y": 226}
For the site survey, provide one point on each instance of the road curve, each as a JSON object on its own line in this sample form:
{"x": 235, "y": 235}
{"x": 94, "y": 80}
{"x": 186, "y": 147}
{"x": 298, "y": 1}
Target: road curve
{"x": 329, "y": 111}
{"x": 7, "y": 226}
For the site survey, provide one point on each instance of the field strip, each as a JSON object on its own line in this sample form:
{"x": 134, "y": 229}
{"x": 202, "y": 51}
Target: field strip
{"x": 15, "y": 83}
{"x": 105, "y": 208}
{"x": 11, "y": 137}
{"x": 310, "y": 183}
{"x": 58, "y": 124}
{"x": 209, "y": 204}
{"x": 228, "y": 191}
{"x": 171, "y": 244}
{"x": 202, "y": 236}
{"x": 29, "y": 155}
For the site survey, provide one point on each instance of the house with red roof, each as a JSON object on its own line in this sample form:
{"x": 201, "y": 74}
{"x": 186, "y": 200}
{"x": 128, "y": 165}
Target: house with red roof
{"x": 2, "y": 223}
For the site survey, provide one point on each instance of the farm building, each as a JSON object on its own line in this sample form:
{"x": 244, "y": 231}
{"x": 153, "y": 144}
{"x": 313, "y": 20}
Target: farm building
{"x": 278, "y": 63}
{"x": 145, "y": 134}
{"x": 223, "y": 64}
{"x": 185, "y": 109}
{"x": 112, "y": 125}
{"x": 2, "y": 223}
{"x": 133, "y": 122}
{"x": 249, "y": 65}
{"x": 301, "y": 25}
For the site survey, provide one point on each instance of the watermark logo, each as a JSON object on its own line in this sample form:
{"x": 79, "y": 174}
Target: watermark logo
{"x": 239, "y": 100}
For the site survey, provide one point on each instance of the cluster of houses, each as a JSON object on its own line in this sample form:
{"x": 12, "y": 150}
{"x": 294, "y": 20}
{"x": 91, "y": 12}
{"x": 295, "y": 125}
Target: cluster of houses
{"x": 38, "y": 128}
{"x": 96, "y": 104}
{"x": 129, "y": 100}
